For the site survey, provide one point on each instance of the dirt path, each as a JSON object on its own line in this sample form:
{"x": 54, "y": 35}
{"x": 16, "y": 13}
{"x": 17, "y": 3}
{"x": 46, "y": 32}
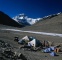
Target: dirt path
{"x": 42, "y": 33}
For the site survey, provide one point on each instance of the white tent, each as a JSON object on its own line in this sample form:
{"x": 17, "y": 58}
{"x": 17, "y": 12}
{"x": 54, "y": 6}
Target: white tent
{"x": 34, "y": 43}
{"x": 25, "y": 38}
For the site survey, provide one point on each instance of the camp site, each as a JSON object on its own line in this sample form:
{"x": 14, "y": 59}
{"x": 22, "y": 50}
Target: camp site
{"x": 40, "y": 41}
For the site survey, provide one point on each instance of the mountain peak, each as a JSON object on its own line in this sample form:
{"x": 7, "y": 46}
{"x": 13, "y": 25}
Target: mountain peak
{"x": 22, "y": 18}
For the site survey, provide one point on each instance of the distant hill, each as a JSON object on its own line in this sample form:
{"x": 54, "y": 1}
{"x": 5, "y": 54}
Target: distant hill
{"x": 6, "y": 20}
{"x": 51, "y": 24}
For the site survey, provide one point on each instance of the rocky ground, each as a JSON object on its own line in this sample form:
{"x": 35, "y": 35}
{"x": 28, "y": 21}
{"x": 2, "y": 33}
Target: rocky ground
{"x": 8, "y": 38}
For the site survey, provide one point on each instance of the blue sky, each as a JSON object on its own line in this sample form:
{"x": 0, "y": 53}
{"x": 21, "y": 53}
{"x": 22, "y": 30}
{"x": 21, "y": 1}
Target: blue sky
{"x": 32, "y": 8}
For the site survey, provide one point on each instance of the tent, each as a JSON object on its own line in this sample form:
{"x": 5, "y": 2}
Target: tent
{"x": 49, "y": 49}
{"x": 31, "y": 38}
{"x": 53, "y": 48}
{"x": 34, "y": 43}
{"x": 46, "y": 51}
{"x": 23, "y": 40}
{"x": 27, "y": 38}
{"x": 53, "y": 54}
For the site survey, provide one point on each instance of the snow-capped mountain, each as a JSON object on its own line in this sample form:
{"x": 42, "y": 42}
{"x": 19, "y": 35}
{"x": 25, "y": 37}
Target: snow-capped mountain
{"x": 25, "y": 20}
{"x": 50, "y": 16}
{"x": 22, "y": 18}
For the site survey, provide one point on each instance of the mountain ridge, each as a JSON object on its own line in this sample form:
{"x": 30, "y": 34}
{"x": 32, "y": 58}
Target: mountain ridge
{"x": 6, "y": 20}
{"x": 53, "y": 25}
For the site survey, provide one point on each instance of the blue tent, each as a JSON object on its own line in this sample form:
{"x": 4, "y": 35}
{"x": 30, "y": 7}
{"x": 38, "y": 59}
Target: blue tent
{"x": 52, "y": 48}
{"x": 46, "y": 51}
{"x": 53, "y": 54}
{"x": 49, "y": 49}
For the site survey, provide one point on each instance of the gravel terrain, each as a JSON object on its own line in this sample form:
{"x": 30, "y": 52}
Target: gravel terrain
{"x": 8, "y": 37}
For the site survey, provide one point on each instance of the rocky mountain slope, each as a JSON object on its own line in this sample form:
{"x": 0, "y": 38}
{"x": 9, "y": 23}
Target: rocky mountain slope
{"x": 6, "y": 20}
{"x": 51, "y": 23}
